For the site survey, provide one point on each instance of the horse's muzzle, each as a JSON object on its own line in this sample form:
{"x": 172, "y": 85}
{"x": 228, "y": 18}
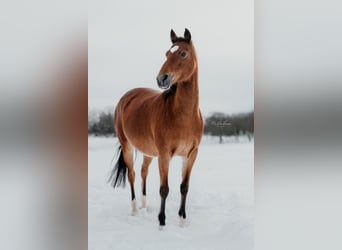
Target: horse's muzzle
{"x": 164, "y": 81}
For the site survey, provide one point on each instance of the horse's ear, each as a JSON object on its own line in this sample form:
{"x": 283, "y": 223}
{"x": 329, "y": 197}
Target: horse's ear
{"x": 173, "y": 36}
{"x": 187, "y": 35}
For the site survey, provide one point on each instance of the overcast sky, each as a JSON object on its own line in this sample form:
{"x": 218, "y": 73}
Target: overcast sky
{"x": 128, "y": 41}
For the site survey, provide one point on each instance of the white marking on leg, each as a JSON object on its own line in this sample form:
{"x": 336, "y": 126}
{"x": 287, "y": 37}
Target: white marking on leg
{"x": 182, "y": 221}
{"x": 143, "y": 201}
{"x": 134, "y": 207}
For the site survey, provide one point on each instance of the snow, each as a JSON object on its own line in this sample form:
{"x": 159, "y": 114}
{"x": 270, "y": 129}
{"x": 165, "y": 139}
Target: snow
{"x": 219, "y": 204}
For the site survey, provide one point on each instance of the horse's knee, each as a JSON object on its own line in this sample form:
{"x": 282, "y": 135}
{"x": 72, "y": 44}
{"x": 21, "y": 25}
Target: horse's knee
{"x": 164, "y": 191}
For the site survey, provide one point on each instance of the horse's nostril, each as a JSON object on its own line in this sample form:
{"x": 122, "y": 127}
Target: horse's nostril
{"x": 165, "y": 76}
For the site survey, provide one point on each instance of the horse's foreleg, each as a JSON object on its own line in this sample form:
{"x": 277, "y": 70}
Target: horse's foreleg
{"x": 184, "y": 187}
{"x": 163, "y": 162}
{"x": 144, "y": 172}
{"x": 128, "y": 157}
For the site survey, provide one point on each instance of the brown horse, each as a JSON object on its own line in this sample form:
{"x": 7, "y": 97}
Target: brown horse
{"x": 162, "y": 124}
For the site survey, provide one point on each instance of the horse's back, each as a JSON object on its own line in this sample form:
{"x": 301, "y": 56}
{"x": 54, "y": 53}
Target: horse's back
{"x": 135, "y": 98}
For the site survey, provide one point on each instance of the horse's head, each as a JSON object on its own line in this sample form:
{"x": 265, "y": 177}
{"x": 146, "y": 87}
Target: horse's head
{"x": 181, "y": 61}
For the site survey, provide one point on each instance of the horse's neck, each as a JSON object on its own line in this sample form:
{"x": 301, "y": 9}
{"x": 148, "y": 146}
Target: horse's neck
{"x": 187, "y": 96}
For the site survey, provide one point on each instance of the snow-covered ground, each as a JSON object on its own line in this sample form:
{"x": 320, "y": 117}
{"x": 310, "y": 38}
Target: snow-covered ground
{"x": 219, "y": 205}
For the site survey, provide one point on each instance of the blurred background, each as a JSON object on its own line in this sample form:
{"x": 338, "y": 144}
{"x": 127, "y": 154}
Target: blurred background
{"x": 43, "y": 132}
{"x": 298, "y": 115}
{"x": 44, "y": 112}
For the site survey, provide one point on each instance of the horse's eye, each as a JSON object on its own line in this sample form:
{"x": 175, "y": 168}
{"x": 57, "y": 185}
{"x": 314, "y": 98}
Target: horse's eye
{"x": 183, "y": 54}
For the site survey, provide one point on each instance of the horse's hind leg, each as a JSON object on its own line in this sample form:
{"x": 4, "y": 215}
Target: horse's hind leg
{"x": 184, "y": 187}
{"x": 144, "y": 172}
{"x": 128, "y": 157}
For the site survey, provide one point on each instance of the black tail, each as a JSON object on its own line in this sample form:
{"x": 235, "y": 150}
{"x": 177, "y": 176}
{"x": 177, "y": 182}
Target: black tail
{"x": 118, "y": 175}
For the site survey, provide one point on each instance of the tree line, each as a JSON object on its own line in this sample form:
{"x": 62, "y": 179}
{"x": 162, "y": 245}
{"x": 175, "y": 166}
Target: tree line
{"x": 220, "y": 124}
{"x": 103, "y": 126}
{"x": 216, "y": 124}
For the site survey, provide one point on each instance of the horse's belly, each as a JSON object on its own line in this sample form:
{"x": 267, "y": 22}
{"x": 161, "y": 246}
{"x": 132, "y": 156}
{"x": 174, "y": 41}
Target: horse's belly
{"x": 144, "y": 144}
{"x": 185, "y": 148}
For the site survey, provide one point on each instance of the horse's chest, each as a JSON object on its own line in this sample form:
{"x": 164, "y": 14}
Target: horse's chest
{"x": 183, "y": 140}
{"x": 181, "y": 130}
